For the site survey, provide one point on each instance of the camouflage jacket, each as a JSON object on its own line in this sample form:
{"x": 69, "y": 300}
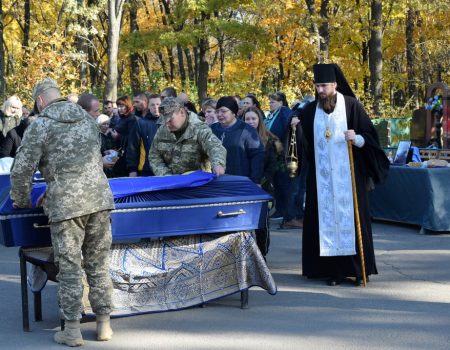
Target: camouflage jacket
{"x": 64, "y": 143}
{"x": 197, "y": 149}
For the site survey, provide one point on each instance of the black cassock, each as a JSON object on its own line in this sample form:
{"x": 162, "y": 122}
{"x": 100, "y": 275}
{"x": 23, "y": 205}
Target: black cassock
{"x": 370, "y": 162}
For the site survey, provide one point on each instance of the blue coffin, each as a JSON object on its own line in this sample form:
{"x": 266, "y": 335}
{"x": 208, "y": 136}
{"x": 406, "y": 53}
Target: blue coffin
{"x": 226, "y": 204}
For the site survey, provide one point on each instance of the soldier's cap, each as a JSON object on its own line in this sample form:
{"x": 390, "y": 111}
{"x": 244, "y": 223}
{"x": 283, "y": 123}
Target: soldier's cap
{"x": 42, "y": 86}
{"x": 168, "y": 106}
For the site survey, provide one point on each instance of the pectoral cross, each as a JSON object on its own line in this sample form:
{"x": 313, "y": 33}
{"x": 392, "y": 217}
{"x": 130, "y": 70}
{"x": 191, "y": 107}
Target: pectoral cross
{"x": 328, "y": 134}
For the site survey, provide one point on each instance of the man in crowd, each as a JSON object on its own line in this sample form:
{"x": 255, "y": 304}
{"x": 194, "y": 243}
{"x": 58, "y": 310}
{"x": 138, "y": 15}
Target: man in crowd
{"x": 184, "y": 143}
{"x": 154, "y": 101}
{"x": 64, "y": 143}
{"x": 108, "y": 108}
{"x": 168, "y": 92}
{"x": 90, "y": 104}
{"x": 336, "y": 117}
{"x": 141, "y": 134}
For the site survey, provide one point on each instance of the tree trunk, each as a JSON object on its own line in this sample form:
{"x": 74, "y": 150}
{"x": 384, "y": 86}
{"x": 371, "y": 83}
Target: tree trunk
{"x": 191, "y": 72}
{"x": 410, "y": 56}
{"x": 324, "y": 30}
{"x": 163, "y": 64}
{"x": 220, "y": 41}
{"x": 196, "y": 64}
{"x": 134, "y": 57}
{"x": 314, "y": 29}
{"x": 146, "y": 64}
{"x": 181, "y": 65}
{"x": 190, "y": 66}
{"x": 92, "y": 56}
{"x": 2, "y": 56}
{"x": 82, "y": 49}
{"x": 115, "y": 9}
{"x": 365, "y": 61}
{"x": 171, "y": 64}
{"x": 26, "y": 25}
{"x": 321, "y": 34}
{"x": 203, "y": 68}
{"x": 280, "y": 76}
{"x": 376, "y": 55}
{"x": 424, "y": 58}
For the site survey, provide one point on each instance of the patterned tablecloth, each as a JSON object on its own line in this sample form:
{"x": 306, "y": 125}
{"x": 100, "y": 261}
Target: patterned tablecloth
{"x": 179, "y": 272}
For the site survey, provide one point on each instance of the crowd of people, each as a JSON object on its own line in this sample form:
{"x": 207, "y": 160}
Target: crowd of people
{"x": 256, "y": 142}
{"x": 163, "y": 134}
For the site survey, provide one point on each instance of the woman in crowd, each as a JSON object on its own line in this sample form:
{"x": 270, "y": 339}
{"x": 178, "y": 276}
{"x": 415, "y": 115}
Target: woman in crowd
{"x": 209, "y": 111}
{"x": 245, "y": 151}
{"x": 13, "y": 139}
{"x": 10, "y": 116}
{"x": 277, "y": 122}
{"x": 108, "y": 147}
{"x": 108, "y": 142}
{"x": 274, "y": 157}
{"x": 120, "y": 133}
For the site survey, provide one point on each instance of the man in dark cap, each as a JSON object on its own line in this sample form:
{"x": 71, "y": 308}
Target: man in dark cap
{"x": 329, "y": 237}
{"x": 184, "y": 143}
{"x": 64, "y": 143}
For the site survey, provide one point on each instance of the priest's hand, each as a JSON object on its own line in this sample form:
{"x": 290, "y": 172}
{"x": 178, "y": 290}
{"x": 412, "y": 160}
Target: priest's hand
{"x": 294, "y": 122}
{"x": 350, "y": 135}
{"x": 218, "y": 170}
{"x": 357, "y": 140}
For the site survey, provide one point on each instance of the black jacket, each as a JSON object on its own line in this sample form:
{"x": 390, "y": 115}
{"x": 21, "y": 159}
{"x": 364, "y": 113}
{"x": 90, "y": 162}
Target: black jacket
{"x": 140, "y": 138}
{"x": 13, "y": 139}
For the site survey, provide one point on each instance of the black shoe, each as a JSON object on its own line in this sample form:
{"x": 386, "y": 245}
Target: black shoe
{"x": 276, "y": 216}
{"x": 334, "y": 282}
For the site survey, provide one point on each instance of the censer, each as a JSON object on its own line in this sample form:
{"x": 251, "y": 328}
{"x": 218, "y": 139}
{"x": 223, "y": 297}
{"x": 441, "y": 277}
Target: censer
{"x": 292, "y": 158}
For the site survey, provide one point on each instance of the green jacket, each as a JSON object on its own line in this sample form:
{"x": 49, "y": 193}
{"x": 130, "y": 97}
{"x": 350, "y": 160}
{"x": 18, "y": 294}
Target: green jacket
{"x": 64, "y": 143}
{"x": 197, "y": 149}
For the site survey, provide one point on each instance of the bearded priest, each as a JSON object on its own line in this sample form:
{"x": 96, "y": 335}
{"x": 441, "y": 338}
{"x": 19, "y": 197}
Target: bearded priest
{"x": 329, "y": 248}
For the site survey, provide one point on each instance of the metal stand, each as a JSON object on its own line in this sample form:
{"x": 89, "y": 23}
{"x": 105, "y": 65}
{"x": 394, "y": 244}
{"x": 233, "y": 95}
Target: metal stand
{"x": 244, "y": 299}
{"x": 24, "y": 290}
{"x": 51, "y": 271}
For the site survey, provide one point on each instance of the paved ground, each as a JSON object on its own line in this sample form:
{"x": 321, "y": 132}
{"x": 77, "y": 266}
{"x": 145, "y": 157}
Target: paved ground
{"x": 407, "y": 306}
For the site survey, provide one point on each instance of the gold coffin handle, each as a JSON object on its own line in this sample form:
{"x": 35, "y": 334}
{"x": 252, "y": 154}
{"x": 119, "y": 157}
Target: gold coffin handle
{"x": 36, "y": 225}
{"x": 221, "y": 214}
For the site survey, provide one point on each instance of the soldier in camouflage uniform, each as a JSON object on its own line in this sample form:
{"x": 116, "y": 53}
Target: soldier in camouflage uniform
{"x": 185, "y": 143}
{"x": 64, "y": 143}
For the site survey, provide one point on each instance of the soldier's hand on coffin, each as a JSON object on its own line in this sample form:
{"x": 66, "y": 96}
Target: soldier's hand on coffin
{"x": 18, "y": 207}
{"x": 218, "y": 170}
{"x": 40, "y": 200}
{"x": 350, "y": 135}
{"x": 133, "y": 174}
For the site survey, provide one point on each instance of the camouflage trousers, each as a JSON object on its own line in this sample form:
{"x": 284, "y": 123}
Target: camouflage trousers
{"x": 83, "y": 243}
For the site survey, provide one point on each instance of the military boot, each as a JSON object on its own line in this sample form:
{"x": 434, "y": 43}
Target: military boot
{"x": 104, "y": 331}
{"x": 71, "y": 335}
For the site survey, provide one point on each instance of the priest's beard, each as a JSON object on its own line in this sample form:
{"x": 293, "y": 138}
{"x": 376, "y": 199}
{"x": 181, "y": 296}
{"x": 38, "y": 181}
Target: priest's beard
{"x": 328, "y": 103}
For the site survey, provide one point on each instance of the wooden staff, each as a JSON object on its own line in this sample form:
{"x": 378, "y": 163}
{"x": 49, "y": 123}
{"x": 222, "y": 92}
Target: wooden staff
{"x": 355, "y": 204}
